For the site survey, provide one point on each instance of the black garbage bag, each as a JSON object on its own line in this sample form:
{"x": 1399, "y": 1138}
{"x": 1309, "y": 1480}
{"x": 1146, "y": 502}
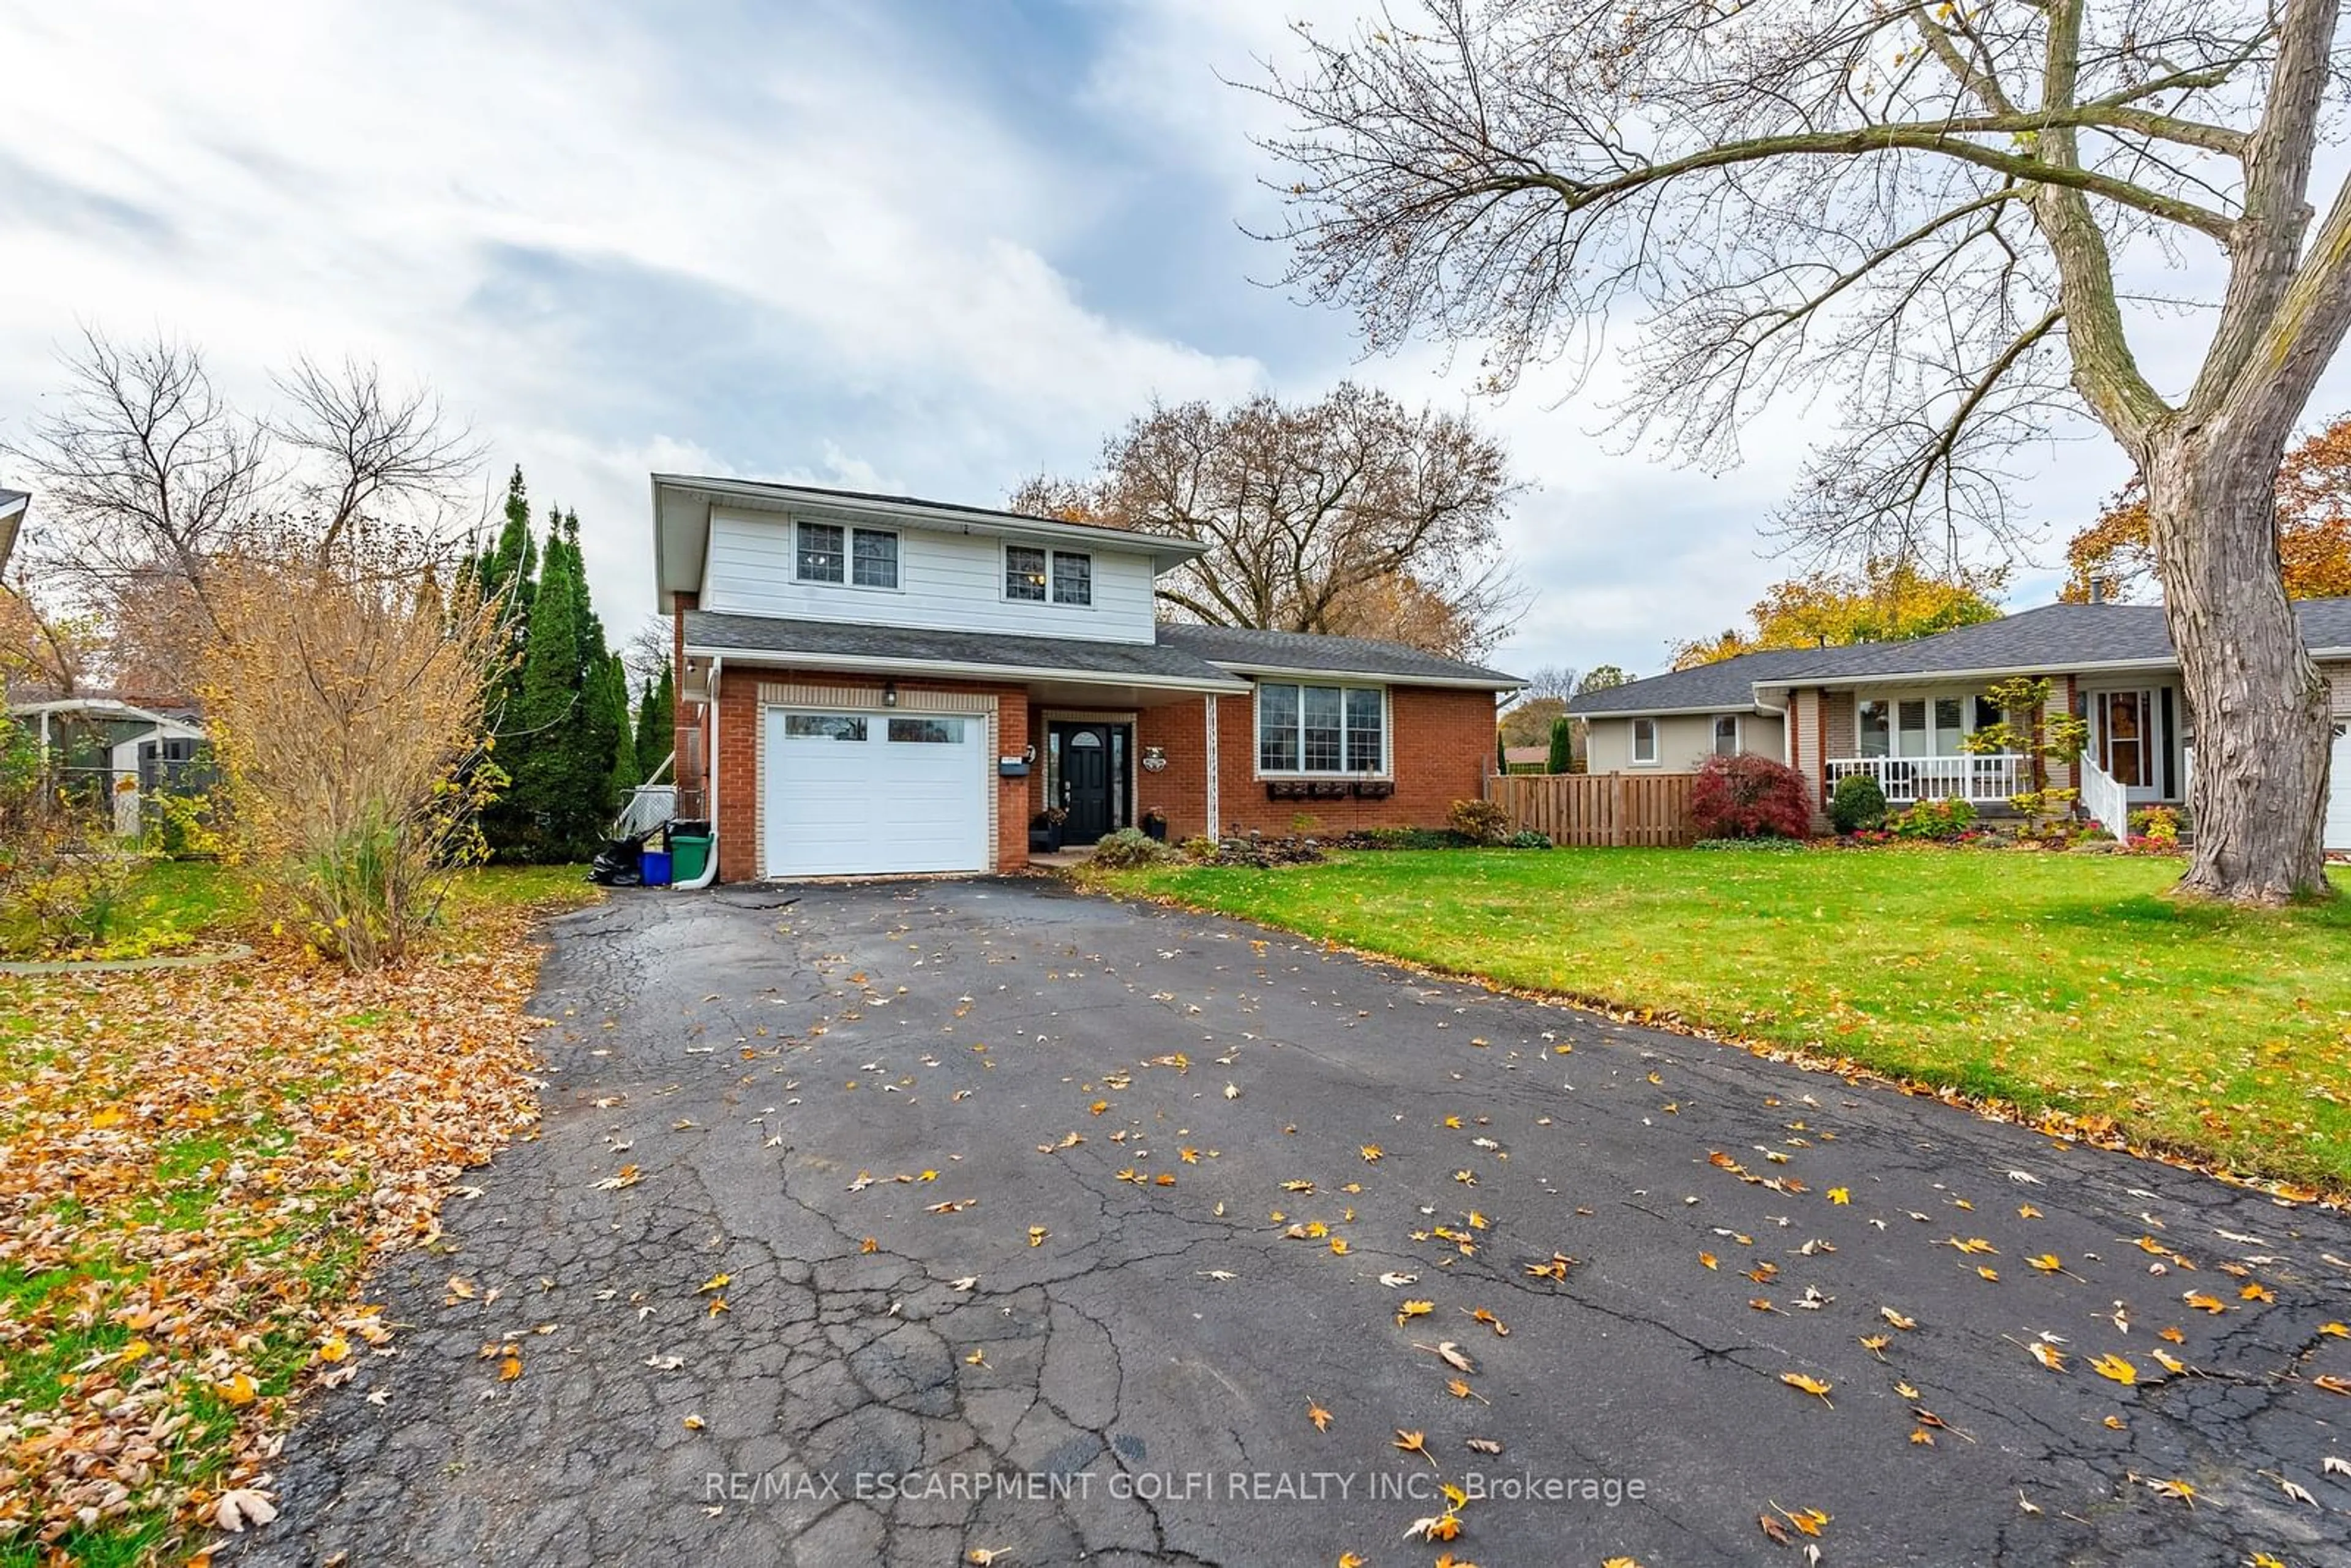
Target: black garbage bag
{"x": 617, "y": 865}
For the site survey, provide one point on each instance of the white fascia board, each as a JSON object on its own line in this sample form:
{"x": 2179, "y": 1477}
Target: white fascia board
{"x": 944, "y": 517}
{"x": 784, "y": 659}
{"x": 1366, "y": 677}
{"x": 2001, "y": 673}
{"x": 1750, "y": 707}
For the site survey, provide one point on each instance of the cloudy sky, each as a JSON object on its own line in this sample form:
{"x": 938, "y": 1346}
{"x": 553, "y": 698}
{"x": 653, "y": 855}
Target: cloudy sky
{"x": 919, "y": 245}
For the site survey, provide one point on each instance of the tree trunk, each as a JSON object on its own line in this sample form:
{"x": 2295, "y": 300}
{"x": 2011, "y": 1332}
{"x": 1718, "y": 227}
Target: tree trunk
{"x": 2260, "y": 704}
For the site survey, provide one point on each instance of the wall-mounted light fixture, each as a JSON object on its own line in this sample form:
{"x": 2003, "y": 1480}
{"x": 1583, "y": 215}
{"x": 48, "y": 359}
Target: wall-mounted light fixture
{"x": 889, "y": 694}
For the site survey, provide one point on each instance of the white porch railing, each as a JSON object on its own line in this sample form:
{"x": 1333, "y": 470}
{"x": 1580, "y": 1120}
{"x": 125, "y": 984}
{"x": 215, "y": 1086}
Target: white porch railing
{"x": 1993, "y": 777}
{"x": 2104, "y": 799}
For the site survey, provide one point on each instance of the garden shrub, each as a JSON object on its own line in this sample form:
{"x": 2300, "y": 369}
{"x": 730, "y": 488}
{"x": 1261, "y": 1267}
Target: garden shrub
{"x": 1130, "y": 847}
{"x": 1479, "y": 821}
{"x": 182, "y": 827}
{"x": 345, "y": 693}
{"x": 1404, "y": 839}
{"x": 1199, "y": 847}
{"x": 2152, "y": 831}
{"x": 1749, "y": 796}
{"x": 1264, "y": 854}
{"x": 1941, "y": 822}
{"x": 1529, "y": 840}
{"x": 1858, "y": 802}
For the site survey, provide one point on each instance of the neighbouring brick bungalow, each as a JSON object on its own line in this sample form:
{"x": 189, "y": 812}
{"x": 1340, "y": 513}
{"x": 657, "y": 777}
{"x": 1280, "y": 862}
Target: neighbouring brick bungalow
{"x": 1901, "y": 712}
{"x": 874, "y": 684}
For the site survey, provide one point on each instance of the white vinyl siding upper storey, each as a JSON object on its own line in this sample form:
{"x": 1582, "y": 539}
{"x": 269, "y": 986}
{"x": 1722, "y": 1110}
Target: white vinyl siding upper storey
{"x": 945, "y": 581}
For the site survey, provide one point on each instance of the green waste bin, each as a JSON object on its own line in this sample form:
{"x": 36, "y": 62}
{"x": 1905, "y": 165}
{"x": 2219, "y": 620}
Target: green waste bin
{"x": 689, "y": 849}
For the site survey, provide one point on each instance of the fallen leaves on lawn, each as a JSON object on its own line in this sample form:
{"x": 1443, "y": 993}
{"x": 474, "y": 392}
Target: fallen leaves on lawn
{"x": 316, "y": 1116}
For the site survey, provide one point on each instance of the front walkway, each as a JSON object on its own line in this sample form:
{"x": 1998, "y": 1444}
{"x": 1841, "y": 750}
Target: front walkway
{"x": 903, "y": 1222}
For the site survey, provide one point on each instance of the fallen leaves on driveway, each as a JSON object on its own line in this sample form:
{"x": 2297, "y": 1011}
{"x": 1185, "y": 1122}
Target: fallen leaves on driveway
{"x": 196, "y": 1168}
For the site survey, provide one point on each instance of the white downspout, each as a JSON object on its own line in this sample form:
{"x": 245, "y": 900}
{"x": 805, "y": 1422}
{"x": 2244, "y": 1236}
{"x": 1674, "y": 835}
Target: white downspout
{"x": 709, "y": 782}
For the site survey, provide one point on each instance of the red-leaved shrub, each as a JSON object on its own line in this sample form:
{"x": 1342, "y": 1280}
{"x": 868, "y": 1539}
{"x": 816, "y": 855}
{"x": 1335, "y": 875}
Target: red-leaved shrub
{"x": 1749, "y": 796}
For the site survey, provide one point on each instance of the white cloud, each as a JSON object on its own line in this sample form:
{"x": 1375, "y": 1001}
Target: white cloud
{"x": 839, "y": 241}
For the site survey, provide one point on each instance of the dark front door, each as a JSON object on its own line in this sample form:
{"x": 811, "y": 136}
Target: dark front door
{"x": 1086, "y": 780}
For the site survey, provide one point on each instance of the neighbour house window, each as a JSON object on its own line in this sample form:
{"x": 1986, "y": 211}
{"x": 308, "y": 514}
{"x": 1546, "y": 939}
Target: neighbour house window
{"x": 827, "y": 553}
{"x": 1644, "y": 740}
{"x": 1910, "y": 728}
{"x": 1074, "y": 576}
{"x": 1947, "y": 726}
{"x": 876, "y": 565}
{"x": 1870, "y": 728}
{"x": 1988, "y": 713}
{"x": 1024, "y": 573}
{"x": 1320, "y": 729}
{"x": 1726, "y": 735}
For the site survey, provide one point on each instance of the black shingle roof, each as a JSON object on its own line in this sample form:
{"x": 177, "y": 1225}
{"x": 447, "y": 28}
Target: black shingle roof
{"x": 2051, "y": 637}
{"x": 763, "y": 634}
{"x": 1181, "y": 653}
{"x": 1246, "y": 648}
{"x": 1723, "y": 686}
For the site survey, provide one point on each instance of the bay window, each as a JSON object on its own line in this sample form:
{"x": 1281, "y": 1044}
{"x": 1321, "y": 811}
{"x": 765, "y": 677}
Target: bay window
{"x": 1306, "y": 728}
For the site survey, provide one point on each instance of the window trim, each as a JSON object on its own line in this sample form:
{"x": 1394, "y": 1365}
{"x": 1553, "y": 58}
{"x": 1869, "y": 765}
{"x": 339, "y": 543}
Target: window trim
{"x": 1004, "y": 577}
{"x": 1384, "y": 773}
{"x": 1656, "y": 748}
{"x": 848, "y": 577}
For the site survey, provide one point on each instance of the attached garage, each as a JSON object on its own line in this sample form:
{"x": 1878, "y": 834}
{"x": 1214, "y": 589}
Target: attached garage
{"x": 849, "y": 793}
{"x": 2338, "y": 800}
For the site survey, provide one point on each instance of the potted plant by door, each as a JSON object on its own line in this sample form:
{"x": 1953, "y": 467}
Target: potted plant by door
{"x": 1154, "y": 823}
{"x": 1045, "y": 829}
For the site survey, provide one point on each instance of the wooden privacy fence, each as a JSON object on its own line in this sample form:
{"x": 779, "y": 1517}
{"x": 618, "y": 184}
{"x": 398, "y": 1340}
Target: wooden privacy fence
{"x": 1599, "y": 809}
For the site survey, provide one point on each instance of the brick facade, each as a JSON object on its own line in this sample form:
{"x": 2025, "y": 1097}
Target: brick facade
{"x": 737, "y": 765}
{"x": 1441, "y": 747}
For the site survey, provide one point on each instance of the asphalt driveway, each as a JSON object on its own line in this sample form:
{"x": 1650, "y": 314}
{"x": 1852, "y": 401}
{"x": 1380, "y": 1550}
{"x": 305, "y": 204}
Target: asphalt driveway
{"x": 909, "y": 1223}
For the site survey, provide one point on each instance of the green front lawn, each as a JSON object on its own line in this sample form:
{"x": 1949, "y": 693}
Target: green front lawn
{"x": 2063, "y": 983}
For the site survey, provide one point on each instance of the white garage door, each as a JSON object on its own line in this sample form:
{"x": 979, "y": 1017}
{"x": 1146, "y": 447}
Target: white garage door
{"x": 2339, "y": 799}
{"x": 858, "y": 793}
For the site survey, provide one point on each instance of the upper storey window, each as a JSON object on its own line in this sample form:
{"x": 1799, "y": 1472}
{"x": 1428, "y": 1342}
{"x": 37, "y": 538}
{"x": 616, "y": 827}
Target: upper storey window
{"x": 828, "y": 552}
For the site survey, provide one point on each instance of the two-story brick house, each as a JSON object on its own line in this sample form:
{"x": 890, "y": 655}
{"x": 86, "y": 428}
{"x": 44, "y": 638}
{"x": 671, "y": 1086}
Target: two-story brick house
{"x": 876, "y": 684}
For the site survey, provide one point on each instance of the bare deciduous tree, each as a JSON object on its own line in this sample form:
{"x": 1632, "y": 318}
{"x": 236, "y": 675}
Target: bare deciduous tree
{"x": 366, "y": 445}
{"x": 1924, "y": 208}
{"x": 1352, "y": 515}
{"x": 148, "y": 477}
{"x": 144, "y": 467}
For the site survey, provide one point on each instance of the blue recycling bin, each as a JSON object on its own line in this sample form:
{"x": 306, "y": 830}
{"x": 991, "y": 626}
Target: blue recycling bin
{"x": 654, "y": 865}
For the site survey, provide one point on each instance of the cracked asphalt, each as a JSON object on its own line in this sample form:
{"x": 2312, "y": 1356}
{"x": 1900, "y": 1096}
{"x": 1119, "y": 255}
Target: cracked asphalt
{"x": 1080, "y": 1361}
